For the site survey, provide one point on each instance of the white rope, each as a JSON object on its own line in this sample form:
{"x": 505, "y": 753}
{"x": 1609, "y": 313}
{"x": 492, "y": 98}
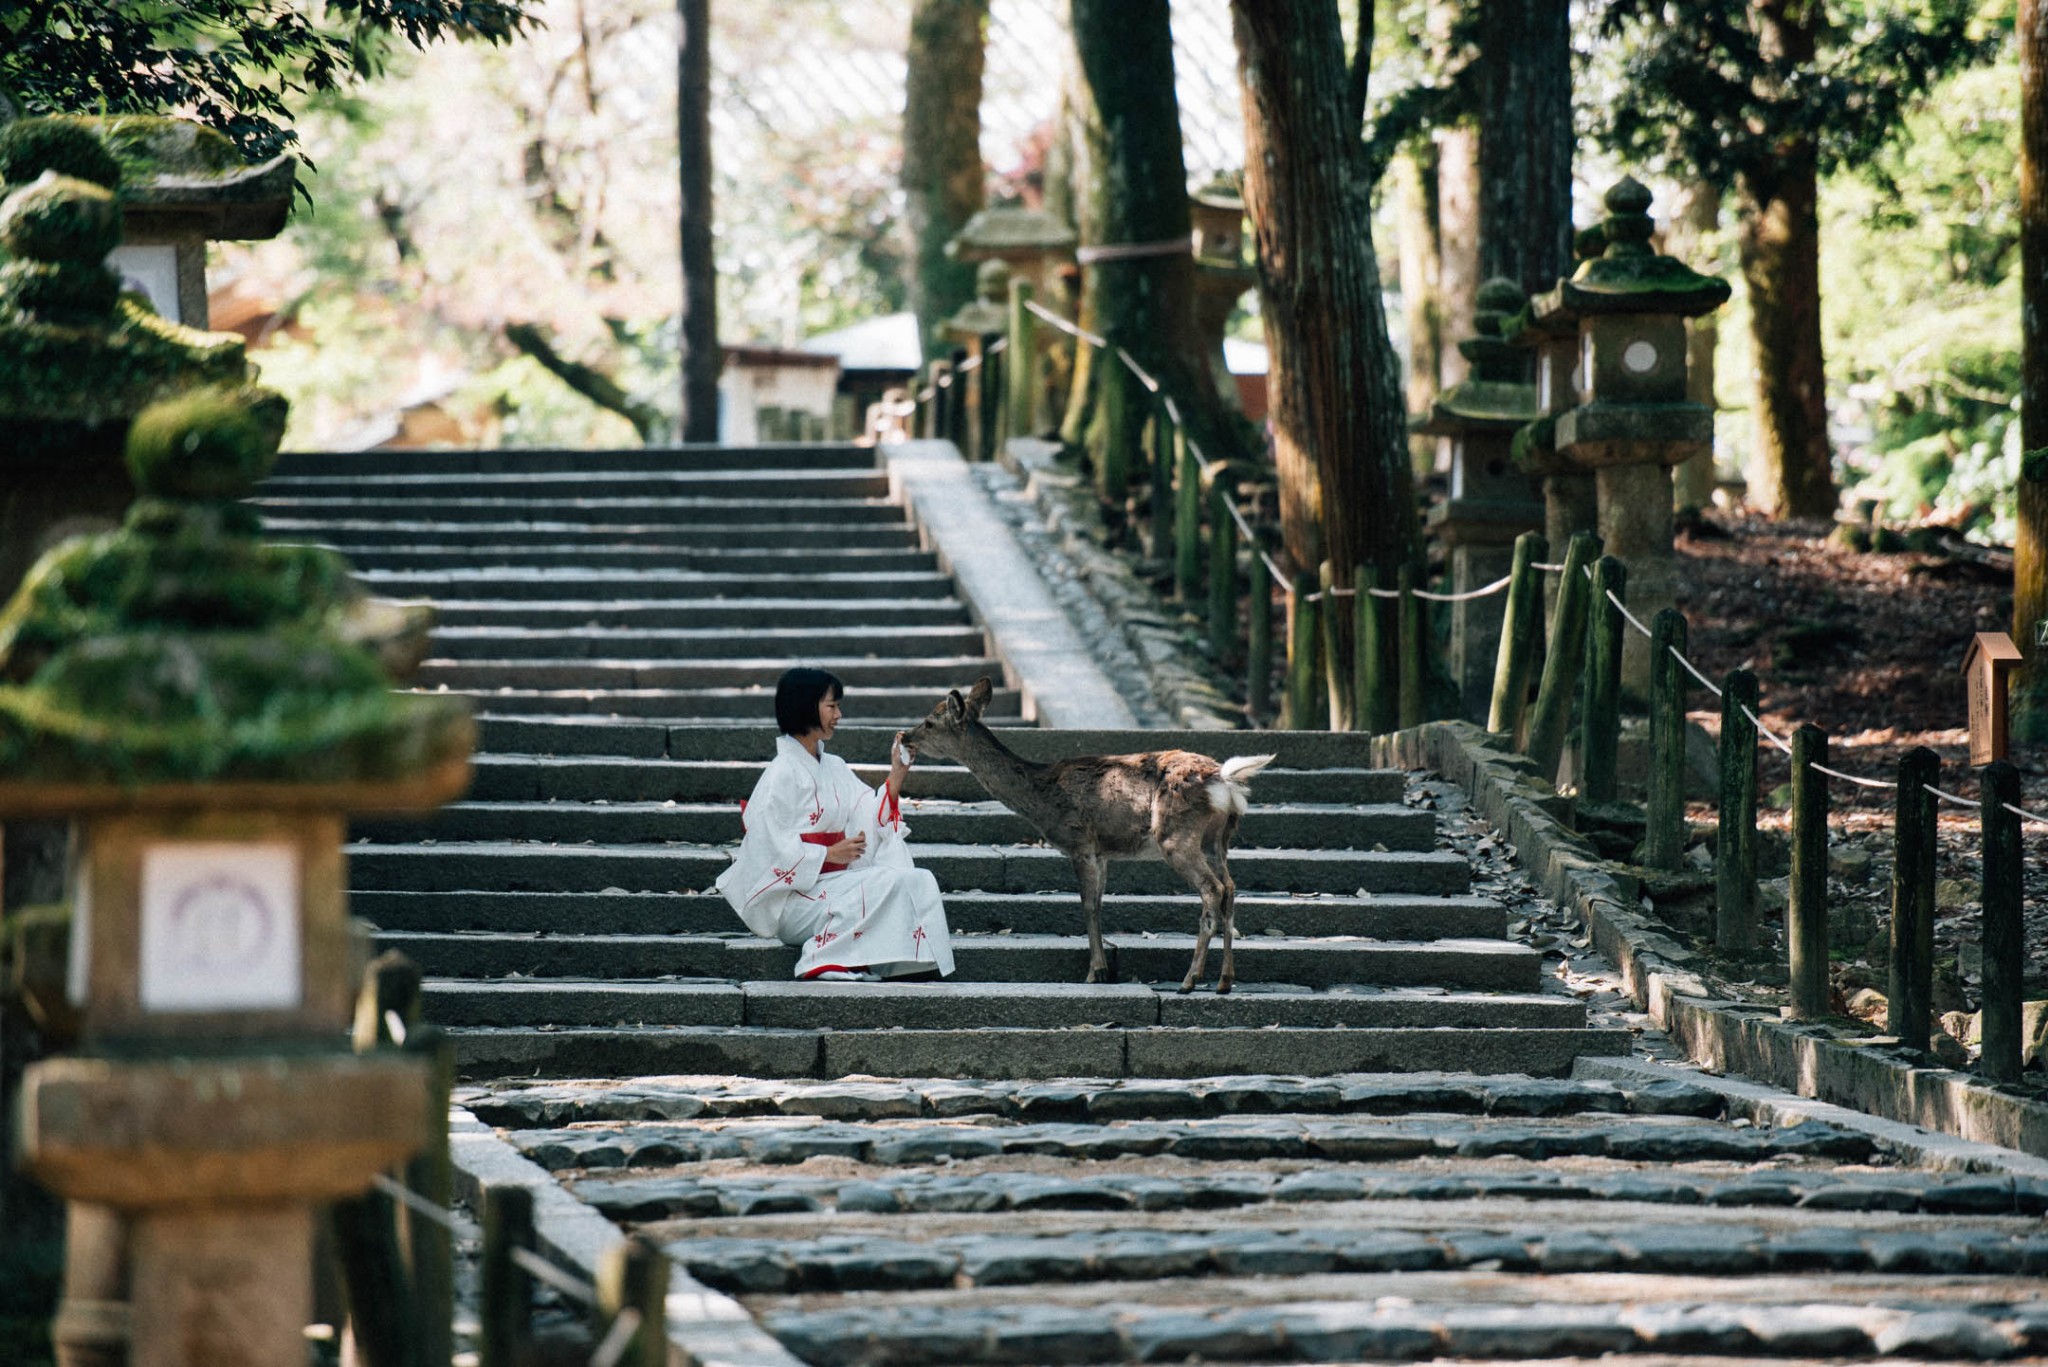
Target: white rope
{"x": 999, "y": 344}
{"x": 1689, "y": 666}
{"x": 1763, "y": 730}
{"x": 1631, "y": 618}
{"x": 1495, "y": 587}
{"x": 413, "y": 1201}
{"x": 1071, "y": 329}
{"x": 1951, "y": 797}
{"x": 1132, "y": 251}
{"x": 971, "y": 363}
{"x": 618, "y": 1340}
{"x": 1173, "y": 412}
{"x": 1547, "y": 569}
{"x": 2023, "y": 814}
{"x": 543, "y": 1270}
{"x": 926, "y": 394}
{"x": 1850, "y": 778}
{"x": 1131, "y": 362}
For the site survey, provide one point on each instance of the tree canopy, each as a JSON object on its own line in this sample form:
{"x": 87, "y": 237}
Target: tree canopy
{"x": 238, "y": 66}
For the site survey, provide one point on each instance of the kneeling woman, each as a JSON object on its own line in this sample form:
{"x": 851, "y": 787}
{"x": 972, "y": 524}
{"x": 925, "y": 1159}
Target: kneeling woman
{"x": 823, "y": 865}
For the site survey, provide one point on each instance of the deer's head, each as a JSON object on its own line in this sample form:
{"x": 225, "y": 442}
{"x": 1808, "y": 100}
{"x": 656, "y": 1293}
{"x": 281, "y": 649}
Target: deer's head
{"x": 950, "y": 720}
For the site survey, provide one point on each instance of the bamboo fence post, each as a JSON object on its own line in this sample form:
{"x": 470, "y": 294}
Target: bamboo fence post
{"x": 1113, "y": 399}
{"x": 957, "y": 414}
{"x": 1736, "y": 845}
{"x": 1368, "y": 669}
{"x": 384, "y": 1320}
{"x": 1302, "y": 634}
{"x": 1409, "y": 614}
{"x": 505, "y": 1289}
{"x": 1258, "y": 691}
{"x": 1521, "y": 623}
{"x": 1911, "y": 977}
{"x": 2004, "y": 935}
{"x": 1222, "y": 576}
{"x": 1600, "y": 730}
{"x": 1164, "y": 462}
{"x": 1561, "y": 667}
{"x": 1806, "y": 916}
{"x": 1020, "y": 376}
{"x": 431, "y": 1174}
{"x": 1664, "y": 840}
{"x": 1334, "y": 683}
{"x": 633, "y": 1275}
{"x": 1187, "y": 519}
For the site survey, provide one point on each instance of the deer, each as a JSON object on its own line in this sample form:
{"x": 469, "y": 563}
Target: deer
{"x": 1163, "y": 804}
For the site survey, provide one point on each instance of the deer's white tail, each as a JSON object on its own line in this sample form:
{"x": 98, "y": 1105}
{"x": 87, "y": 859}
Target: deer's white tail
{"x": 1230, "y": 791}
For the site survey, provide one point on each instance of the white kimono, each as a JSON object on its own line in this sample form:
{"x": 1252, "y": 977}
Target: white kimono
{"x": 881, "y": 913}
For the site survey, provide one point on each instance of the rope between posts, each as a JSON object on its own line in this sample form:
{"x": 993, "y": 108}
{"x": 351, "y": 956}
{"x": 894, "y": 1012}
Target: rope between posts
{"x": 1071, "y": 329}
{"x": 618, "y": 1340}
{"x": 1547, "y": 569}
{"x": 394, "y": 1025}
{"x": 927, "y": 394}
{"x": 1951, "y": 797}
{"x": 1495, "y": 587}
{"x": 998, "y": 345}
{"x": 1132, "y": 251}
{"x": 1850, "y": 778}
{"x": 2023, "y": 814}
{"x": 1131, "y": 363}
{"x": 449, "y": 1220}
{"x": 971, "y": 363}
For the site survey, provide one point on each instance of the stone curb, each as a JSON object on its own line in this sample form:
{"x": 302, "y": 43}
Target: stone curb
{"x": 705, "y": 1328}
{"x": 1063, "y": 685}
{"x": 1661, "y": 974}
{"x": 1180, "y": 680}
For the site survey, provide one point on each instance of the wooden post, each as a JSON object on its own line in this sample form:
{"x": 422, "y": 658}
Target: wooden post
{"x": 1302, "y": 679}
{"x": 431, "y": 1174}
{"x": 1334, "y": 682}
{"x": 1664, "y": 840}
{"x": 1020, "y": 376}
{"x": 1567, "y": 655}
{"x": 1806, "y": 917}
{"x": 956, "y": 405}
{"x": 1735, "y": 848}
{"x": 1600, "y": 731}
{"x": 1222, "y": 577}
{"x": 2004, "y": 943}
{"x": 1113, "y": 396}
{"x": 1409, "y": 614}
{"x": 1258, "y": 679}
{"x": 1911, "y": 985}
{"x": 1371, "y": 703}
{"x": 384, "y": 1318}
{"x": 505, "y": 1289}
{"x": 939, "y": 424}
{"x": 634, "y": 1275}
{"x": 1164, "y": 460}
{"x": 1187, "y": 520}
{"x": 1521, "y": 622}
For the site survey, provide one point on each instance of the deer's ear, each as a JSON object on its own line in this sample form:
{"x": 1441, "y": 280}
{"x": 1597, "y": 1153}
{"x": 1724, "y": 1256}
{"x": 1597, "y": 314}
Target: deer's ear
{"x": 978, "y": 696}
{"x": 953, "y": 702}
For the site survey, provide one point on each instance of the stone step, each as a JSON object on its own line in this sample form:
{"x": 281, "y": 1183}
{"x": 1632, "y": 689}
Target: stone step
{"x": 952, "y": 1005}
{"x": 969, "y": 913}
{"x": 1347, "y": 755}
{"x": 1270, "y": 825}
{"x": 367, "y": 506}
{"x": 583, "y": 485}
{"x": 528, "y": 585}
{"x": 539, "y": 778}
{"x": 674, "y": 868}
{"x": 773, "y": 558}
{"x": 1479, "y": 965}
{"x": 703, "y": 643}
{"x": 413, "y": 531}
{"x": 686, "y": 614}
{"x": 521, "y": 1105}
{"x": 857, "y": 671}
{"x": 1160, "y": 1052}
{"x": 893, "y": 708}
{"x": 521, "y": 459}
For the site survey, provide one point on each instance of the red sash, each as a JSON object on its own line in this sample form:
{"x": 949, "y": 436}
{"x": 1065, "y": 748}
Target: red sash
{"x": 827, "y": 839}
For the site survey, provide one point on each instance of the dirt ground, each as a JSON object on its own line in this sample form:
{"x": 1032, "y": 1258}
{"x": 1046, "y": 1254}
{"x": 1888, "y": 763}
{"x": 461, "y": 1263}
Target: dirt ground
{"x": 1869, "y": 647}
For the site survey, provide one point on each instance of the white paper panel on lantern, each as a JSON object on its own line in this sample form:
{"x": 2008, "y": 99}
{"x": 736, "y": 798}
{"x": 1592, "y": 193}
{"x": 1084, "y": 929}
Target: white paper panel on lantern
{"x": 220, "y": 927}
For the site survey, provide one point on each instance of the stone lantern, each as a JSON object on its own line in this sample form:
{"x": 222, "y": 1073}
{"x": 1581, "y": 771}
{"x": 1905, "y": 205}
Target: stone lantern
{"x": 1492, "y": 500}
{"x": 975, "y": 325}
{"x": 1221, "y": 276}
{"x": 1038, "y": 247}
{"x": 1633, "y": 420}
{"x": 209, "y": 710}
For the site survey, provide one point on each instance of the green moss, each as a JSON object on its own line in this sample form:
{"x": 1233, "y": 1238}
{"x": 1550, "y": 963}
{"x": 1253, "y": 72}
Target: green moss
{"x": 64, "y": 144}
{"x": 61, "y": 218}
{"x": 208, "y": 444}
{"x": 150, "y": 147}
{"x": 77, "y": 292}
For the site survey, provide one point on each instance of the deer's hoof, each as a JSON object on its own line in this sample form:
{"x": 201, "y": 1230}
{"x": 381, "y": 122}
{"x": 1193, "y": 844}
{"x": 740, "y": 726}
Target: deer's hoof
{"x": 1095, "y": 975}
{"x": 1186, "y": 987}
{"x": 1223, "y": 987}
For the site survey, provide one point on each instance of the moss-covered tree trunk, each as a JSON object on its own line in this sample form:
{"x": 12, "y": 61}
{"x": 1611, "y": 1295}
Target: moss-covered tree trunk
{"x": 1346, "y": 492}
{"x": 2030, "y": 549}
{"x": 944, "y": 182}
{"x": 1457, "y": 236}
{"x": 1696, "y": 213}
{"x": 699, "y": 321}
{"x": 1525, "y": 141}
{"x": 1421, "y": 261}
{"x": 1131, "y": 193}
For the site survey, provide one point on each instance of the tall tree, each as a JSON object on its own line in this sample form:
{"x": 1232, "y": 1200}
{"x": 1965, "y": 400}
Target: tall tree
{"x": 1762, "y": 98}
{"x": 1524, "y": 100}
{"x": 1347, "y": 493}
{"x": 701, "y": 359}
{"x": 2030, "y": 547}
{"x": 943, "y": 178}
{"x": 237, "y": 67}
{"x": 1131, "y": 200}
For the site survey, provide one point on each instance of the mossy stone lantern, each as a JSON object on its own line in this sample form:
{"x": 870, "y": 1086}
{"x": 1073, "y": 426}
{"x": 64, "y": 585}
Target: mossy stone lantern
{"x": 1221, "y": 276}
{"x": 975, "y": 325}
{"x": 1038, "y": 247}
{"x": 1633, "y": 421}
{"x": 209, "y": 709}
{"x": 1492, "y": 500}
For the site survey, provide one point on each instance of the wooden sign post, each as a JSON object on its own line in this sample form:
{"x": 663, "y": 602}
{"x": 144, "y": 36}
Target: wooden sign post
{"x": 1987, "y": 670}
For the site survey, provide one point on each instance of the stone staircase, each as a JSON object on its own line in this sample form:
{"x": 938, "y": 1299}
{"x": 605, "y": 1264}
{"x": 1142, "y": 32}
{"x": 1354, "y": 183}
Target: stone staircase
{"x": 620, "y": 619}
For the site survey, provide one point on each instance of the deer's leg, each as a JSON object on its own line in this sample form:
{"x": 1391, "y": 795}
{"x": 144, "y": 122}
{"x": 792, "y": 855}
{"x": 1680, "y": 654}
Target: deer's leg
{"x": 1226, "y": 916}
{"x": 1184, "y": 854}
{"x": 1091, "y": 869}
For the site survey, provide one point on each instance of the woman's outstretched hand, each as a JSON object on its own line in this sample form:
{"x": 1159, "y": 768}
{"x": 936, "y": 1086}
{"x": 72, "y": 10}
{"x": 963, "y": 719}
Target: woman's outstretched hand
{"x": 846, "y": 851}
{"x": 900, "y": 756}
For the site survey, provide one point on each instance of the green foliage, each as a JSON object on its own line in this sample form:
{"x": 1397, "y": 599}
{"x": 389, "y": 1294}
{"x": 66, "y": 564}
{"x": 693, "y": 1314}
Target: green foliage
{"x": 239, "y": 67}
{"x": 29, "y": 147}
{"x": 1705, "y": 91}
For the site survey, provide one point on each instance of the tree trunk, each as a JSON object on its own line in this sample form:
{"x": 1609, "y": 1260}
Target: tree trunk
{"x": 1421, "y": 261}
{"x": 1781, "y": 265}
{"x": 1457, "y": 236}
{"x": 1346, "y": 492}
{"x": 1695, "y": 213}
{"x": 699, "y": 320}
{"x": 943, "y": 177}
{"x": 2030, "y": 548}
{"x": 1131, "y": 192}
{"x": 1525, "y": 142}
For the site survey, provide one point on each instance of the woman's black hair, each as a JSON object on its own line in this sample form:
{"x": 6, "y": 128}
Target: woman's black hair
{"x": 797, "y": 695}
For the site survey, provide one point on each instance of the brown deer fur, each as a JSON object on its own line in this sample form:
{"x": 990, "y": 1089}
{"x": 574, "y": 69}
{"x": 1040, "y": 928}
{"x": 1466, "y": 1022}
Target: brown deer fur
{"x": 1168, "y": 804}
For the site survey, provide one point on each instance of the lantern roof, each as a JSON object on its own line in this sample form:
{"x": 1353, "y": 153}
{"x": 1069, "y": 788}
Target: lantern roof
{"x": 1629, "y": 275}
{"x": 1011, "y": 231}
